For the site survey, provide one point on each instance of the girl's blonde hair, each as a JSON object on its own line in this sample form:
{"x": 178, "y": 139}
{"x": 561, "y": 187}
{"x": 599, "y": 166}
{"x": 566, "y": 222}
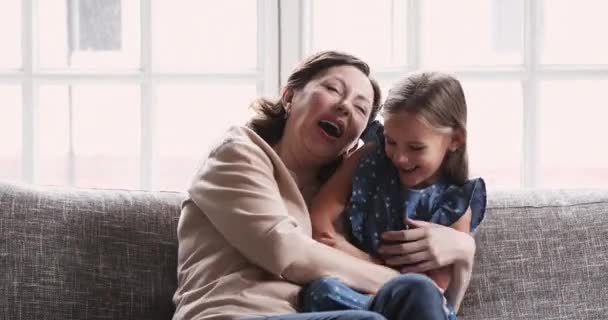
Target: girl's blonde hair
{"x": 437, "y": 99}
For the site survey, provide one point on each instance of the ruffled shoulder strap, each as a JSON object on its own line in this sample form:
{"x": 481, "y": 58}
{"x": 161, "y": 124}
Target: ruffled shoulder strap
{"x": 374, "y": 133}
{"x": 455, "y": 200}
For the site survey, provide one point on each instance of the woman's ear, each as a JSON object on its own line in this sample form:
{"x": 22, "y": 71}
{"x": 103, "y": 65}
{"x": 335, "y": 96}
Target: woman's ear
{"x": 286, "y": 98}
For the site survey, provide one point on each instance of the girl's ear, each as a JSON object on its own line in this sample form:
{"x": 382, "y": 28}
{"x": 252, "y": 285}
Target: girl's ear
{"x": 458, "y": 139}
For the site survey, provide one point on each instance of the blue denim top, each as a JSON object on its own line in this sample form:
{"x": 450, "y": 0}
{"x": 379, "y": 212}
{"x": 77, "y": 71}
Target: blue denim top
{"x": 379, "y": 202}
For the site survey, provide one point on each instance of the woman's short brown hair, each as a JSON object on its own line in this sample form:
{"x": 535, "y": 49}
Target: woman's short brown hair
{"x": 269, "y": 121}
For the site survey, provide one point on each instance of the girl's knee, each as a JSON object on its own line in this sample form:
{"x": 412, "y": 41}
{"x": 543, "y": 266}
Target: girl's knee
{"x": 413, "y": 280}
{"x": 416, "y": 285}
{"x": 320, "y": 291}
{"x": 414, "y": 295}
{"x": 323, "y": 286}
{"x": 360, "y": 315}
{"x": 329, "y": 294}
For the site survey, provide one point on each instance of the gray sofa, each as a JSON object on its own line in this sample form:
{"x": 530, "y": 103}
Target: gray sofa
{"x": 111, "y": 254}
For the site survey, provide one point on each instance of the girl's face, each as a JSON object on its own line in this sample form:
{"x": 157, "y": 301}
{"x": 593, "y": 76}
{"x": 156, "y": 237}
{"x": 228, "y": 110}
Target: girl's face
{"x": 416, "y": 149}
{"x": 328, "y": 114}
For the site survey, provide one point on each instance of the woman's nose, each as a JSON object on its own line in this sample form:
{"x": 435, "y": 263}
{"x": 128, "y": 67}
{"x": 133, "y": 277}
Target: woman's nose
{"x": 343, "y": 108}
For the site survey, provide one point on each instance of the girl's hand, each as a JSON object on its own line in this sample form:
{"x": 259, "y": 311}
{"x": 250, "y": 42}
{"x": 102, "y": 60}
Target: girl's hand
{"x": 427, "y": 247}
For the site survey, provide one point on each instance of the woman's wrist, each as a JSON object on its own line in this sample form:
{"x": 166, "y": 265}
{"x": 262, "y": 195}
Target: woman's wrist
{"x": 467, "y": 251}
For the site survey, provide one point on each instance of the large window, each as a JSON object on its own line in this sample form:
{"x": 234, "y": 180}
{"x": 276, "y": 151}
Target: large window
{"x": 535, "y": 74}
{"x": 133, "y": 93}
{"x": 127, "y": 93}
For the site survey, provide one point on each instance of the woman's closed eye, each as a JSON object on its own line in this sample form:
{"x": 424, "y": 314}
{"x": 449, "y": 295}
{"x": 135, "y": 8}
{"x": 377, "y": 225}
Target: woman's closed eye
{"x": 332, "y": 88}
{"x": 361, "y": 109}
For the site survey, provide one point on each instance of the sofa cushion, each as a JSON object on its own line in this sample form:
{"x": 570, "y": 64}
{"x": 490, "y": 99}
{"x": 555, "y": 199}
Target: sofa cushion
{"x": 541, "y": 255}
{"x": 87, "y": 254}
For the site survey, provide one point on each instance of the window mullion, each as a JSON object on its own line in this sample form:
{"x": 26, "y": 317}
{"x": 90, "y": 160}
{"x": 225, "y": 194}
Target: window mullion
{"x": 28, "y": 93}
{"x": 27, "y": 144}
{"x": 291, "y": 35}
{"x": 531, "y": 146}
{"x": 399, "y": 31}
{"x": 71, "y": 169}
{"x": 268, "y": 47}
{"x": 147, "y": 159}
{"x": 413, "y": 34}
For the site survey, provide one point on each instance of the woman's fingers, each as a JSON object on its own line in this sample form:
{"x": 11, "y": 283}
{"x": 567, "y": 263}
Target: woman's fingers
{"x": 403, "y": 235}
{"x": 419, "y": 223}
{"x": 328, "y": 241}
{"x": 414, "y": 258}
{"x": 387, "y": 250}
{"x": 419, "y": 267}
{"x": 428, "y": 246}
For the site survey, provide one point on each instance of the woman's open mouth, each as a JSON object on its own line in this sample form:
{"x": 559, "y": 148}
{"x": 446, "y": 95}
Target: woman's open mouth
{"x": 331, "y": 129}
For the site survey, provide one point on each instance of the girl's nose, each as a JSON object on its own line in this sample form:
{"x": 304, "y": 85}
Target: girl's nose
{"x": 401, "y": 158}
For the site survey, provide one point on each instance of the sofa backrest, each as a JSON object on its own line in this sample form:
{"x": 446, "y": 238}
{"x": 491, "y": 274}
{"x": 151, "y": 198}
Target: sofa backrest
{"x": 111, "y": 254}
{"x": 541, "y": 255}
{"x": 87, "y": 254}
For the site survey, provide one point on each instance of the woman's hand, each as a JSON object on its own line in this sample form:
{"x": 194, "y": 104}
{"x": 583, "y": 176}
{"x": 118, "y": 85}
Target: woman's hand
{"x": 427, "y": 246}
{"x": 339, "y": 242}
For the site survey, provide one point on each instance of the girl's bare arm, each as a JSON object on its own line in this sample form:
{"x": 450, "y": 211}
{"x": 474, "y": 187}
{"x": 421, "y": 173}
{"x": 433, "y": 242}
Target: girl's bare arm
{"x": 330, "y": 202}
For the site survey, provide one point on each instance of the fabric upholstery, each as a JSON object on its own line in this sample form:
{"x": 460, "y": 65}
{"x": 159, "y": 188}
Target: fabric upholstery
{"x": 111, "y": 254}
{"x": 541, "y": 255}
{"x": 87, "y": 254}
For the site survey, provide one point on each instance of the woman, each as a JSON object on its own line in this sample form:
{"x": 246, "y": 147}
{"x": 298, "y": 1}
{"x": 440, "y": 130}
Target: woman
{"x": 245, "y": 245}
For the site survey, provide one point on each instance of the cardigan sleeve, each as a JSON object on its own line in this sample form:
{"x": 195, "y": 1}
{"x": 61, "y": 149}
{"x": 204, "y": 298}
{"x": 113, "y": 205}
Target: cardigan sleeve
{"x": 237, "y": 191}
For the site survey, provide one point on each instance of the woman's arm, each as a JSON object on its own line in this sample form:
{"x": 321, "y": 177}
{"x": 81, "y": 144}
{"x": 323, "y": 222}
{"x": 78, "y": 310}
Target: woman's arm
{"x": 237, "y": 191}
{"x": 463, "y": 268}
{"x": 431, "y": 246}
{"x": 330, "y": 202}
{"x": 443, "y": 276}
{"x": 461, "y": 276}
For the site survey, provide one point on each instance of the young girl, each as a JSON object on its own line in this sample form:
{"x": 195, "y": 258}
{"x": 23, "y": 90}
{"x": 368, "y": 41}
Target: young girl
{"x": 414, "y": 167}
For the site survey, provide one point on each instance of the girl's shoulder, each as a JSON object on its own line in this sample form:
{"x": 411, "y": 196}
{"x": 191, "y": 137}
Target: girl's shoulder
{"x": 373, "y": 133}
{"x": 468, "y": 187}
{"x": 454, "y": 200}
{"x": 373, "y": 139}
{"x": 372, "y": 163}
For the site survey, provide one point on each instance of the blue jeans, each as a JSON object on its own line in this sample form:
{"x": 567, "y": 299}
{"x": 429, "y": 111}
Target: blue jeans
{"x": 409, "y": 296}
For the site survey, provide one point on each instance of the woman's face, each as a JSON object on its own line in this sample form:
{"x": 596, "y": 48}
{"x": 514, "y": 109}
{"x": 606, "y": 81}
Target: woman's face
{"x": 329, "y": 113}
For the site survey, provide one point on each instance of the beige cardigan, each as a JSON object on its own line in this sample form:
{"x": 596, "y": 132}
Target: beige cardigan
{"x": 245, "y": 237}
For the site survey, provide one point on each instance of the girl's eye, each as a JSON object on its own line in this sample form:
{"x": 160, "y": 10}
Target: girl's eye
{"x": 417, "y": 148}
{"x": 361, "y": 109}
{"x": 389, "y": 142}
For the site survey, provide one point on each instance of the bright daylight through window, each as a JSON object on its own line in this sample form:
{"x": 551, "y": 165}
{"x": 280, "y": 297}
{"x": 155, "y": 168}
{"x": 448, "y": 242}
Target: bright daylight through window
{"x": 132, "y": 94}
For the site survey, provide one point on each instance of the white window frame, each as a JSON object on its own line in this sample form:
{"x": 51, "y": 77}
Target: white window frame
{"x": 283, "y": 40}
{"x": 295, "y": 35}
{"x": 31, "y": 78}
